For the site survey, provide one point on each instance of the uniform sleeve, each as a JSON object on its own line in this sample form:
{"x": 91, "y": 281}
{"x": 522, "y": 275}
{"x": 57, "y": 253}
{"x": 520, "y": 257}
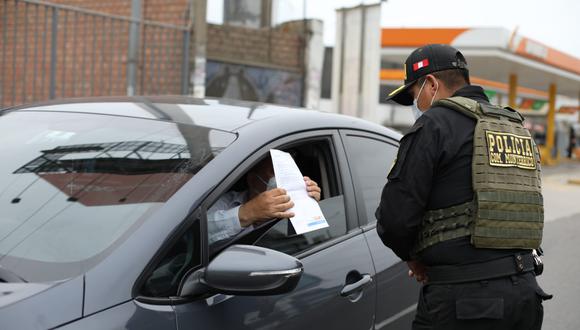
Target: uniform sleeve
{"x": 407, "y": 191}
{"x": 222, "y": 218}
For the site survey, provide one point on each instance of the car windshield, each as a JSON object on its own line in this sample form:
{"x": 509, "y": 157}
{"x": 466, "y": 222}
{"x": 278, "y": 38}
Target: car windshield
{"x": 72, "y": 185}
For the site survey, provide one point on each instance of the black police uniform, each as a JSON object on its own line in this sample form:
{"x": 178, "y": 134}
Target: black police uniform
{"x": 433, "y": 171}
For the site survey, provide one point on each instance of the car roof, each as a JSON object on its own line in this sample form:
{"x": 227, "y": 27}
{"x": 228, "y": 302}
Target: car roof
{"x": 221, "y": 114}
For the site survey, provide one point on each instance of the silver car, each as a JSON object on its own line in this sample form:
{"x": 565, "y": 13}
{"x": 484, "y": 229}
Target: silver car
{"x": 103, "y": 222}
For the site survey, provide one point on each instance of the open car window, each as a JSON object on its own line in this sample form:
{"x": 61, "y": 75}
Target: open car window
{"x": 315, "y": 160}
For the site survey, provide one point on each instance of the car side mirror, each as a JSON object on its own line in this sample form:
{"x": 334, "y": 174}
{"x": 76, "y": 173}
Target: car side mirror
{"x": 245, "y": 270}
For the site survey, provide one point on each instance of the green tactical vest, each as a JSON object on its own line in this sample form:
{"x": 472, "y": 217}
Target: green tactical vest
{"x": 507, "y": 210}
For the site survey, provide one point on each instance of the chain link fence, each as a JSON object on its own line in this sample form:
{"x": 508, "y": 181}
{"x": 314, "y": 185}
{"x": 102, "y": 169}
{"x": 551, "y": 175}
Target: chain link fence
{"x": 53, "y": 51}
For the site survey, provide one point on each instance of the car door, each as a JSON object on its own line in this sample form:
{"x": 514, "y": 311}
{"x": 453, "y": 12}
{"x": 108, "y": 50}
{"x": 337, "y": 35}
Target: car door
{"x": 335, "y": 260}
{"x": 370, "y": 157}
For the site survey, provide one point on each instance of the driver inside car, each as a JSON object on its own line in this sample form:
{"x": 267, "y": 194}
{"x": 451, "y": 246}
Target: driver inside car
{"x": 235, "y": 212}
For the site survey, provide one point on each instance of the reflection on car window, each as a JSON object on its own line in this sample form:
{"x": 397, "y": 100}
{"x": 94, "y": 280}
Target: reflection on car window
{"x": 315, "y": 161}
{"x": 75, "y": 184}
{"x": 370, "y": 160}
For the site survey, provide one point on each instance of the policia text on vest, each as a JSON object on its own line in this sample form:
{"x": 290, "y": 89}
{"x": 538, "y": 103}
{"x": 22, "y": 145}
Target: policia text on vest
{"x": 510, "y": 150}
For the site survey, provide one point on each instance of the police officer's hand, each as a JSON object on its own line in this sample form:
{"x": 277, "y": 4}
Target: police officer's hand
{"x": 417, "y": 270}
{"x": 312, "y": 188}
{"x": 268, "y": 205}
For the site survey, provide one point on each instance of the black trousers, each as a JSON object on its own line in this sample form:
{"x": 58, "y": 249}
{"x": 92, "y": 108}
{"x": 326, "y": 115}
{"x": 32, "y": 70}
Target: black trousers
{"x": 513, "y": 302}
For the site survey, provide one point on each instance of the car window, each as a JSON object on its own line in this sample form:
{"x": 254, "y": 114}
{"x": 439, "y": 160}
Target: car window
{"x": 315, "y": 160}
{"x": 370, "y": 161}
{"x": 74, "y": 185}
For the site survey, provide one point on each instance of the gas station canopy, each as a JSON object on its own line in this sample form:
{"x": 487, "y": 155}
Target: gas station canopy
{"x": 493, "y": 55}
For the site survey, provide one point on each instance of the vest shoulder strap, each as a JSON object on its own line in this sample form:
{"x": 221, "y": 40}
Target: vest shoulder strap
{"x": 474, "y": 109}
{"x": 461, "y": 104}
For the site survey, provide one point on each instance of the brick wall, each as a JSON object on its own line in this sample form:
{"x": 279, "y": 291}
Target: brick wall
{"x": 161, "y": 49}
{"x": 279, "y": 47}
{"x": 166, "y": 11}
{"x": 91, "y": 51}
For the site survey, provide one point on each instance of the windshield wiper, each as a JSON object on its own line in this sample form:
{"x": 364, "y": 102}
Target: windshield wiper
{"x": 9, "y": 276}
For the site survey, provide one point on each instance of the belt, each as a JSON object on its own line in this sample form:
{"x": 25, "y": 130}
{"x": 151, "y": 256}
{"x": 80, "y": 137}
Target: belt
{"x": 506, "y": 266}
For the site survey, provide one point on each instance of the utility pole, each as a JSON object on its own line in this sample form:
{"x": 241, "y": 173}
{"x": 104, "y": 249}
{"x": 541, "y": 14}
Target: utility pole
{"x": 133, "y": 56}
{"x": 200, "y": 48}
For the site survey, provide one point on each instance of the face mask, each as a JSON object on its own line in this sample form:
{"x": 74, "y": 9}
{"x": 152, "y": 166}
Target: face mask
{"x": 416, "y": 112}
{"x": 415, "y": 107}
{"x": 271, "y": 184}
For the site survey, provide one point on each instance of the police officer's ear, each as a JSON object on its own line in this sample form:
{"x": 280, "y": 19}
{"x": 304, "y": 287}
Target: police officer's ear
{"x": 432, "y": 84}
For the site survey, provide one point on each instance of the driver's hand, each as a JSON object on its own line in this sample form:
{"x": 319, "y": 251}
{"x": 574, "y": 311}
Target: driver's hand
{"x": 312, "y": 188}
{"x": 268, "y": 205}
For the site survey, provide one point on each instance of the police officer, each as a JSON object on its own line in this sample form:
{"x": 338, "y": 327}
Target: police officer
{"x": 463, "y": 204}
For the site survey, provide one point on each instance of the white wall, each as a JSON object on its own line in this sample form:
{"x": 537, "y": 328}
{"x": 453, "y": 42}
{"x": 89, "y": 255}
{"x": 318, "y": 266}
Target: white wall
{"x": 314, "y": 55}
{"x": 326, "y": 105}
{"x": 356, "y": 61}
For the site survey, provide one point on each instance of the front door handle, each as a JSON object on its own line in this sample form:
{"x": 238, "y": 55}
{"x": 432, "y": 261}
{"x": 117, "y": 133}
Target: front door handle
{"x": 349, "y": 289}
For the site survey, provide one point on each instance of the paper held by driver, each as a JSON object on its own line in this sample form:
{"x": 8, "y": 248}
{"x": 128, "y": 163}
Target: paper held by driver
{"x": 307, "y": 213}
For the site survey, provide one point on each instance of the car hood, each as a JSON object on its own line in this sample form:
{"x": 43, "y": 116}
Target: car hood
{"x": 40, "y": 305}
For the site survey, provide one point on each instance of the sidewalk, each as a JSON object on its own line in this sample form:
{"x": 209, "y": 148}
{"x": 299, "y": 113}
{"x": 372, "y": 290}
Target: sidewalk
{"x": 565, "y": 166}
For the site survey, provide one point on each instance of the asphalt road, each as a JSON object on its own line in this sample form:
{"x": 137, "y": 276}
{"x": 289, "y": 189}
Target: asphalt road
{"x": 561, "y": 244}
{"x": 562, "y": 273}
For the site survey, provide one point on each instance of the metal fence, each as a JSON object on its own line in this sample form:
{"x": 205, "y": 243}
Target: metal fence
{"x": 52, "y": 51}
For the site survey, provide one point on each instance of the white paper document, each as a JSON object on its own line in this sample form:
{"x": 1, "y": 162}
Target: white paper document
{"x": 307, "y": 214}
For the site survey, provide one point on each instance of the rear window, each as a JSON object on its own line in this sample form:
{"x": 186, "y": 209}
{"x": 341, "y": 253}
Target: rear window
{"x": 73, "y": 185}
